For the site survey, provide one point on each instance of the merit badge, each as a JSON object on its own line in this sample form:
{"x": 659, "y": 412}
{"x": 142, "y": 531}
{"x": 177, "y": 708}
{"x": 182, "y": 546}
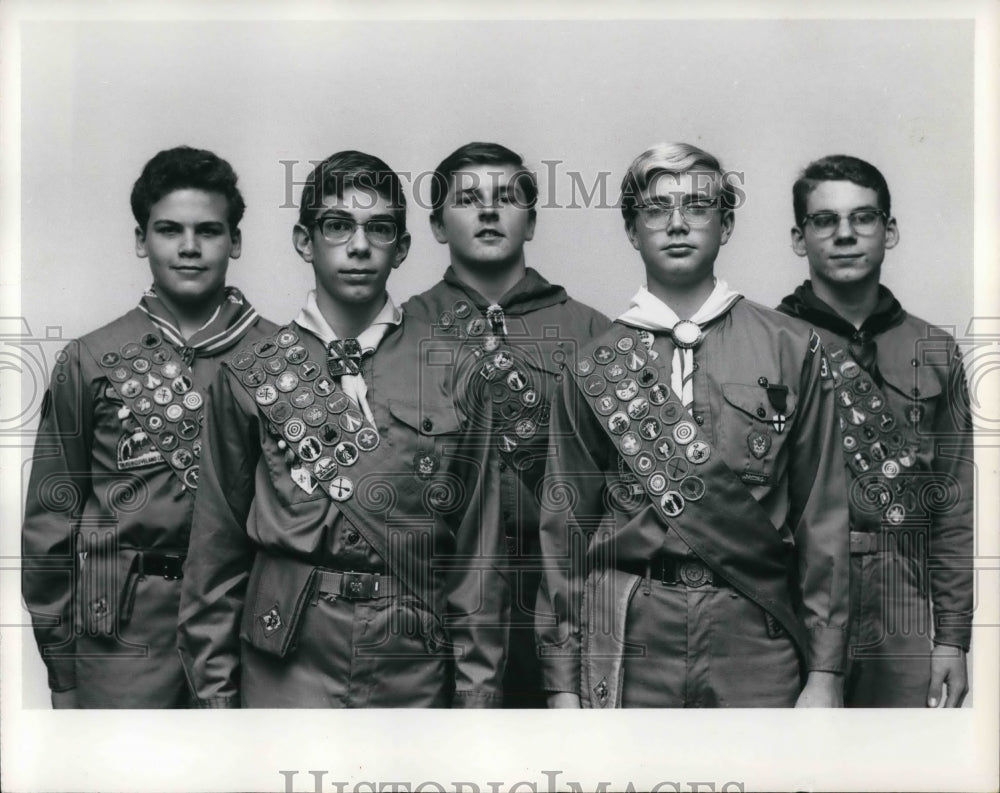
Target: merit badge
{"x": 915, "y": 414}
{"x": 759, "y": 443}
{"x": 314, "y": 415}
{"x": 890, "y": 469}
{"x": 287, "y": 382}
{"x": 168, "y": 441}
{"x": 869, "y": 433}
{"x": 861, "y": 462}
{"x": 120, "y": 374}
{"x": 254, "y": 377}
{"x": 650, "y": 428}
{"x": 181, "y": 458}
{"x": 446, "y": 320}
{"x": 110, "y": 359}
{"x": 584, "y": 366}
{"x": 294, "y": 430}
{"x": 886, "y": 422}
{"x": 630, "y": 444}
{"x": 345, "y": 453}
{"x": 671, "y": 413}
{"x": 625, "y": 343}
{"x": 663, "y": 449}
{"x": 173, "y": 412}
{"x": 879, "y": 451}
{"x": 150, "y": 381}
{"x": 672, "y": 503}
{"x": 181, "y": 384}
{"x": 130, "y": 350}
{"x": 323, "y": 386}
{"x": 606, "y": 405}
{"x": 895, "y": 514}
{"x": 265, "y": 348}
{"x": 476, "y": 326}
{"x": 243, "y": 360}
{"x": 491, "y": 342}
{"x": 310, "y": 449}
{"x": 647, "y": 377}
{"x": 907, "y": 457}
{"x": 341, "y": 488}
{"x": 615, "y": 372}
{"x": 509, "y": 411}
{"x": 778, "y": 421}
{"x": 503, "y": 360}
{"x": 303, "y": 478}
{"x": 636, "y": 359}
{"x": 163, "y": 395}
{"x": 191, "y": 477}
{"x": 626, "y": 390}
{"x": 850, "y": 369}
{"x": 604, "y": 355}
{"x": 309, "y": 371}
{"x": 462, "y": 309}
{"x": 142, "y": 406}
{"x": 595, "y": 385}
{"x": 875, "y": 403}
{"x": 171, "y": 369}
{"x": 698, "y": 452}
{"x": 856, "y": 416}
{"x": 618, "y": 423}
{"x": 367, "y": 440}
{"x": 188, "y": 429}
{"x": 325, "y": 469}
{"x": 516, "y": 380}
{"x": 677, "y": 468}
{"x": 351, "y": 420}
{"x": 329, "y": 434}
{"x": 644, "y": 463}
{"x": 193, "y": 400}
{"x": 659, "y": 394}
{"x": 862, "y": 386}
{"x": 275, "y": 365}
{"x": 845, "y": 397}
{"x": 506, "y": 444}
{"x": 280, "y": 412}
{"x": 684, "y": 432}
{"x": 296, "y": 355}
{"x": 850, "y": 443}
{"x": 338, "y": 403}
{"x": 286, "y": 337}
{"x": 131, "y": 388}
{"x": 160, "y": 355}
{"x": 154, "y": 423}
{"x": 303, "y": 398}
{"x": 150, "y": 340}
{"x": 693, "y": 488}
{"x": 638, "y": 408}
{"x": 656, "y": 484}
{"x": 526, "y": 428}
{"x": 266, "y": 395}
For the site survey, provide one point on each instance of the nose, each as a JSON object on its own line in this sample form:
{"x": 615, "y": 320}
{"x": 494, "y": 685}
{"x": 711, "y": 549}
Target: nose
{"x": 190, "y": 245}
{"x": 845, "y": 231}
{"x": 358, "y": 244}
{"x": 677, "y": 220}
{"x": 489, "y": 212}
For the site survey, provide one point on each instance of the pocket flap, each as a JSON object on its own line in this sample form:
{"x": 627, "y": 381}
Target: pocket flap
{"x": 277, "y": 593}
{"x": 750, "y": 398}
{"x": 439, "y": 418}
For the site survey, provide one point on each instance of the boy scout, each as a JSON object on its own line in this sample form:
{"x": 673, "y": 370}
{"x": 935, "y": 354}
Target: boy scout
{"x": 117, "y": 457}
{"x": 694, "y": 518}
{"x": 902, "y": 399}
{"x": 345, "y": 543}
{"x": 515, "y": 330}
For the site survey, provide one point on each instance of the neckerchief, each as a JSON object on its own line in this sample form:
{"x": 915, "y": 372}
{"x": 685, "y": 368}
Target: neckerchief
{"x": 529, "y": 294}
{"x": 888, "y": 313}
{"x": 311, "y": 318}
{"x": 223, "y": 329}
{"x": 648, "y": 312}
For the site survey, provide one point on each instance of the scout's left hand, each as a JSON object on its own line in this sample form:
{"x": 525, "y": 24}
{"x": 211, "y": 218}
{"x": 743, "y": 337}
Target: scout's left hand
{"x": 822, "y": 690}
{"x": 948, "y": 668}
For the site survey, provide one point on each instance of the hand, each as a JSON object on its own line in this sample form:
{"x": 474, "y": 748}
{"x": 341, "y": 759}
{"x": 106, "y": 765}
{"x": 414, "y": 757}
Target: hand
{"x": 822, "y": 690}
{"x": 64, "y": 700}
{"x": 563, "y": 700}
{"x": 948, "y": 668}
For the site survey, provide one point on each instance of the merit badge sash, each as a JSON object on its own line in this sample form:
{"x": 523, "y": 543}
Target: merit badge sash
{"x": 691, "y": 487}
{"x": 327, "y": 441}
{"x": 162, "y": 408}
{"x": 875, "y": 448}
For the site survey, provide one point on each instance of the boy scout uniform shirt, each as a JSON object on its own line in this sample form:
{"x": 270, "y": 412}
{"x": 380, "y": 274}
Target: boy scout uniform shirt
{"x": 918, "y": 368}
{"x": 96, "y": 499}
{"x": 248, "y": 505}
{"x": 544, "y": 329}
{"x": 789, "y": 460}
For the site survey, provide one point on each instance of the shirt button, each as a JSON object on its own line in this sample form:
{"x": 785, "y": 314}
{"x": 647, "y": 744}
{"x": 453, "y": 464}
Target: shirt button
{"x": 428, "y": 425}
{"x": 353, "y": 537}
{"x": 914, "y": 362}
{"x": 699, "y": 420}
{"x": 762, "y": 382}
{"x": 762, "y": 413}
{"x": 695, "y": 366}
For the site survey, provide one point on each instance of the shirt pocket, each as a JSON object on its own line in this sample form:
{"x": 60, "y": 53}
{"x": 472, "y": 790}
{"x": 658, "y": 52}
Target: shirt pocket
{"x": 754, "y": 432}
{"x": 915, "y": 397}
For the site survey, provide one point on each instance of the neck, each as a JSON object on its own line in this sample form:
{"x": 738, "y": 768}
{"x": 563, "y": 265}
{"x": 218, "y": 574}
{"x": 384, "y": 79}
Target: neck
{"x": 684, "y": 300}
{"x": 493, "y": 283}
{"x": 348, "y": 320}
{"x": 191, "y": 316}
{"x": 855, "y": 302}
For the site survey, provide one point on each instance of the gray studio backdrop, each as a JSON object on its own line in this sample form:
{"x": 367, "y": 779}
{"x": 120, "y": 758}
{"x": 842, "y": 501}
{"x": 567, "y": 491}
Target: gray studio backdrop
{"x": 578, "y": 99}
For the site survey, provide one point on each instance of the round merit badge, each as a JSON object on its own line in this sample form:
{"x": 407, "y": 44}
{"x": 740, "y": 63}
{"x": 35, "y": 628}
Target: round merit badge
{"x": 367, "y": 439}
{"x": 672, "y": 503}
{"x": 341, "y": 488}
{"x": 684, "y": 432}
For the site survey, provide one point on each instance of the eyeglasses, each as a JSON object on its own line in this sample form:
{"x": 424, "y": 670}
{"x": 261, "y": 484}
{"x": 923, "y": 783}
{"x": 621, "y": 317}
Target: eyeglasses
{"x": 337, "y": 230}
{"x": 863, "y": 222}
{"x": 657, "y": 217}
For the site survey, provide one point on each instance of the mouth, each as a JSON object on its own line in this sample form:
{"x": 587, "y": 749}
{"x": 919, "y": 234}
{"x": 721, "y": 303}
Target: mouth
{"x": 678, "y": 249}
{"x": 846, "y": 257}
{"x": 189, "y": 268}
{"x": 357, "y": 274}
{"x": 489, "y": 234}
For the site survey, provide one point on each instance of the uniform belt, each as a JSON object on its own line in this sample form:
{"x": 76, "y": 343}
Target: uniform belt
{"x": 676, "y": 571}
{"x": 865, "y": 542}
{"x": 356, "y": 586}
{"x": 168, "y": 565}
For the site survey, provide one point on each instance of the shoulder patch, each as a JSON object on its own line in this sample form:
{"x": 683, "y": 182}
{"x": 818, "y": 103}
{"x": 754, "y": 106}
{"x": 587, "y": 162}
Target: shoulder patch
{"x": 813, "y": 341}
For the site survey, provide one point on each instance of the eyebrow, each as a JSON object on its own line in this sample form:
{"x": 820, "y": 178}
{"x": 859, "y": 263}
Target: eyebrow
{"x": 863, "y": 208}
{"x": 340, "y": 213}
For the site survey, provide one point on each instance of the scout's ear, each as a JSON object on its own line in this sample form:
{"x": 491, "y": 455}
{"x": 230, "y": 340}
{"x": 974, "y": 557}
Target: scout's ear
{"x": 437, "y": 228}
{"x": 728, "y": 224}
{"x": 891, "y": 233}
{"x": 140, "y": 243}
{"x": 237, "y": 249}
{"x": 798, "y": 241}
{"x": 630, "y": 233}
{"x": 302, "y": 240}
{"x": 402, "y": 249}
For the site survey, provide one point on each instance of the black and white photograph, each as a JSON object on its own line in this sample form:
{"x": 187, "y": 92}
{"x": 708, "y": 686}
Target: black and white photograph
{"x": 362, "y": 364}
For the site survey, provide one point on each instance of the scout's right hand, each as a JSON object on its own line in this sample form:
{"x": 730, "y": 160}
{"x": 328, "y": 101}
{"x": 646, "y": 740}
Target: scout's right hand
{"x": 563, "y": 699}
{"x": 64, "y": 700}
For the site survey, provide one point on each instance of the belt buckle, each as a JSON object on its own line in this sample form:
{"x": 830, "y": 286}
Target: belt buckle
{"x": 694, "y": 574}
{"x": 358, "y": 586}
{"x": 168, "y": 559}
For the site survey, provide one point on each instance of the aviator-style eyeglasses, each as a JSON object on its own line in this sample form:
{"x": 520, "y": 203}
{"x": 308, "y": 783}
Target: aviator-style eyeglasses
{"x": 863, "y": 222}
